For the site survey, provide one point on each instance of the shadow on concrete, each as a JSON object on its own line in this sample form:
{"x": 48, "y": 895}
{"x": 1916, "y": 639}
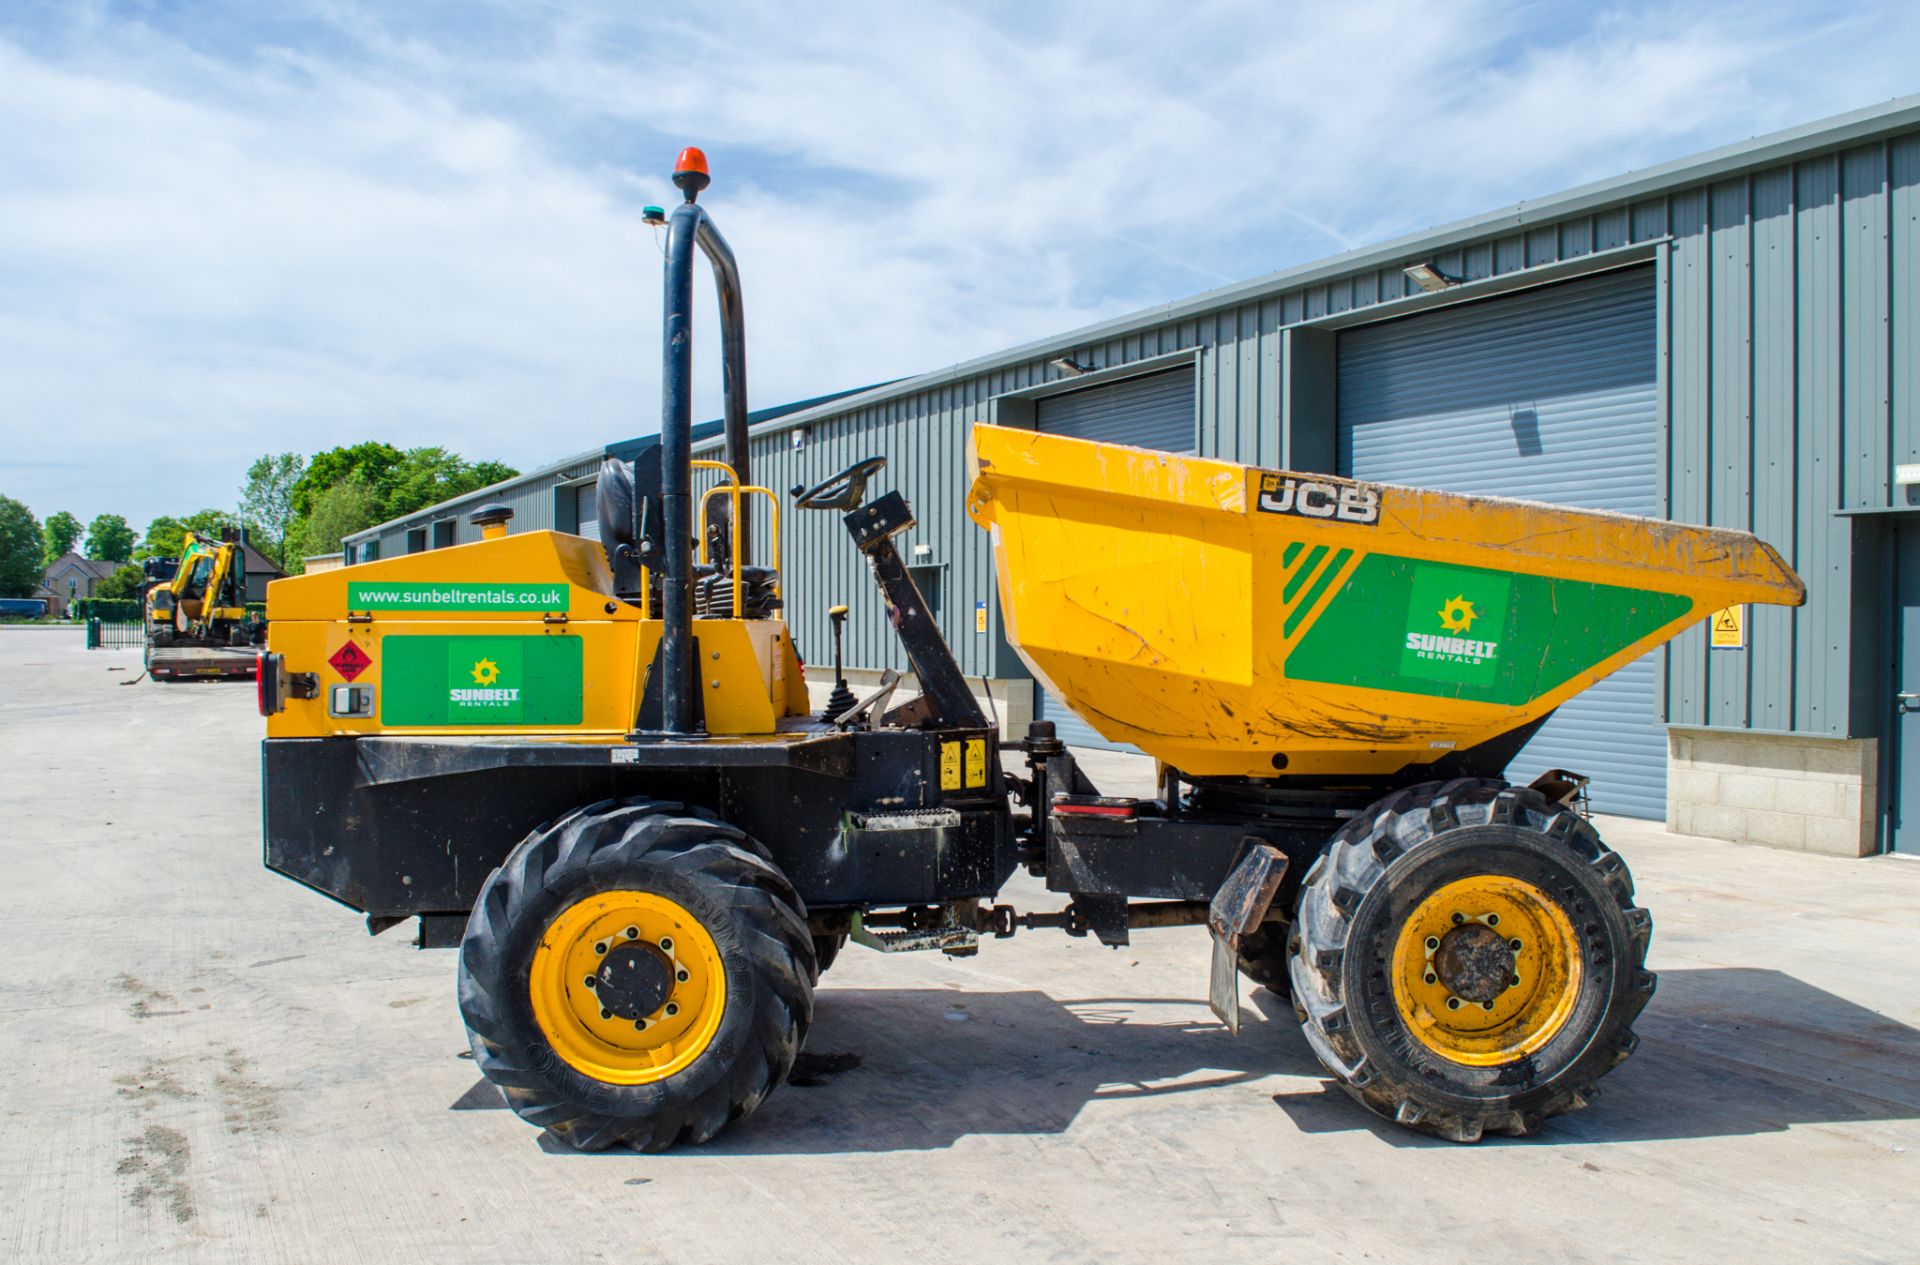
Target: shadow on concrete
{"x": 1724, "y": 1052}
{"x": 918, "y": 1069}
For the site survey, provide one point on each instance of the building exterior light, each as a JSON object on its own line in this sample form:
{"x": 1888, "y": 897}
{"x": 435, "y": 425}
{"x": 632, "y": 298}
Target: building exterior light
{"x": 1429, "y": 278}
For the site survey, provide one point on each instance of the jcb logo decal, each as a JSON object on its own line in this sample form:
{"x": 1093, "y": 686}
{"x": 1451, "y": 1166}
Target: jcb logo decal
{"x": 1314, "y": 498}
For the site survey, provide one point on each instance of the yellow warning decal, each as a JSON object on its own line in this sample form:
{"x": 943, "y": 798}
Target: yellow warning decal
{"x": 976, "y": 762}
{"x": 1727, "y": 630}
{"x": 949, "y": 766}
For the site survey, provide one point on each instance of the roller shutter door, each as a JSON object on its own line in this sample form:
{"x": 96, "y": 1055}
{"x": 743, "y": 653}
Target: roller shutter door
{"x": 1152, "y": 411}
{"x": 1547, "y": 396}
{"x": 586, "y": 511}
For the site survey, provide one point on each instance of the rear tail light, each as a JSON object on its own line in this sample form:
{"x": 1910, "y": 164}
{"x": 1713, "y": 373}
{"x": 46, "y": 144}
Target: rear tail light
{"x": 1095, "y": 806}
{"x": 267, "y": 683}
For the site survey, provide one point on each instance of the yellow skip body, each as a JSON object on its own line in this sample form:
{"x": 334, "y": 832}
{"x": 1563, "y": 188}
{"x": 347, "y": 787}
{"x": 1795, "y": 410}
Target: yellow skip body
{"x": 1237, "y": 621}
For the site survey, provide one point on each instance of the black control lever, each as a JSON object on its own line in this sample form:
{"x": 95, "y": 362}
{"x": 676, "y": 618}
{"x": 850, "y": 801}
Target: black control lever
{"x": 841, "y": 700}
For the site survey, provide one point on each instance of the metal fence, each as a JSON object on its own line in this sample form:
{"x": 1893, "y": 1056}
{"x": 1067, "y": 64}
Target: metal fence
{"x": 104, "y": 634}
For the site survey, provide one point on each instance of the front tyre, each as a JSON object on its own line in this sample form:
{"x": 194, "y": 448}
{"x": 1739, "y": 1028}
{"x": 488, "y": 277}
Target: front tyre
{"x": 1468, "y": 959}
{"x": 636, "y": 972}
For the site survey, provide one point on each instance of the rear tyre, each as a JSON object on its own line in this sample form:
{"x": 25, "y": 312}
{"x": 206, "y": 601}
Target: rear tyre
{"x": 636, "y": 972}
{"x": 826, "y": 949}
{"x": 1469, "y": 959}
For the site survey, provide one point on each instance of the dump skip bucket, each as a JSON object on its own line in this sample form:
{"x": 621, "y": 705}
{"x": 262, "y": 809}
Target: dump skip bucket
{"x": 1237, "y": 621}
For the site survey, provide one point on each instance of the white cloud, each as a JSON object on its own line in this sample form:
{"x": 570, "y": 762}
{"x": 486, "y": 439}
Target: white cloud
{"x": 421, "y": 224}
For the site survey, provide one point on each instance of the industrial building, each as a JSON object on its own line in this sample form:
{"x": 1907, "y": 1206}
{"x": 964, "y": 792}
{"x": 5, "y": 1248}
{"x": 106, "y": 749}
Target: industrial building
{"x": 1728, "y": 339}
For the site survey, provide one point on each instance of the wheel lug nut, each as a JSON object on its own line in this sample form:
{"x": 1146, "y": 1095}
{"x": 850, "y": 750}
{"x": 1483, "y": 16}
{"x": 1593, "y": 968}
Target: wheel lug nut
{"x": 1433, "y": 942}
{"x": 1493, "y": 920}
{"x": 1453, "y": 1003}
{"x": 1486, "y": 1005}
{"x": 606, "y": 1014}
{"x": 633, "y": 933}
{"x": 1458, "y": 919}
{"x": 1514, "y": 944}
{"x": 1431, "y": 978}
{"x": 673, "y": 1009}
{"x": 681, "y": 976}
{"x": 1513, "y": 981}
{"x": 640, "y": 1025}
{"x": 601, "y": 948}
{"x": 666, "y": 944}
{"x": 593, "y": 981}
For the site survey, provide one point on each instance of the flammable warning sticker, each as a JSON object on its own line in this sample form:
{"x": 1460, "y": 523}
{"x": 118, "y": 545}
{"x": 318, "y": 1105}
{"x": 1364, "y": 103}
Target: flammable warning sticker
{"x": 532, "y": 680}
{"x": 350, "y": 660}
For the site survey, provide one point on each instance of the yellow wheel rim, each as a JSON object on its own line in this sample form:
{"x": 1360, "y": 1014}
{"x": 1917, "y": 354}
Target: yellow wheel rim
{"x": 1486, "y": 970}
{"x": 598, "y": 973}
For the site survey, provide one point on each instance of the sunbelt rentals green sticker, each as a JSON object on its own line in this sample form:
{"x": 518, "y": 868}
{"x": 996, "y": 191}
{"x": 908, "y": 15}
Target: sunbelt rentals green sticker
{"x": 368, "y": 596}
{"x": 530, "y": 680}
{"x": 1456, "y": 619}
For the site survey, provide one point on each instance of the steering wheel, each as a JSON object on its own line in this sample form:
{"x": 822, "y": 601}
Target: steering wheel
{"x": 843, "y": 491}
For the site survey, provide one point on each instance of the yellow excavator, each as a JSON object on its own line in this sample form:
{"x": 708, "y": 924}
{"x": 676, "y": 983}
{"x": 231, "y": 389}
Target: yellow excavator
{"x": 197, "y": 619}
{"x": 591, "y": 765}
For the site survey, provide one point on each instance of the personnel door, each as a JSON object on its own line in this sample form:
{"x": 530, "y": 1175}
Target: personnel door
{"x": 1903, "y": 797}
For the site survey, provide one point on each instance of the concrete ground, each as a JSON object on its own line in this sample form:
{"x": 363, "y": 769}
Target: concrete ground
{"x": 205, "y": 1062}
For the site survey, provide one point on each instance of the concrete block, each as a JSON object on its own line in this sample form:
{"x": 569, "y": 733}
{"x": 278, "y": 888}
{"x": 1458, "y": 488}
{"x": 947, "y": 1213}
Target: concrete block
{"x": 1717, "y": 822}
{"x": 1716, "y": 752}
{"x": 1814, "y": 798}
{"x": 1694, "y": 785}
{"x": 1777, "y": 830}
{"x": 1835, "y": 836}
{"x": 1747, "y": 790}
{"x": 1847, "y": 759}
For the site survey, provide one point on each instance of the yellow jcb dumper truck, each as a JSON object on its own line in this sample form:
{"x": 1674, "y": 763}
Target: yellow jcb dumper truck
{"x": 197, "y": 622}
{"x": 591, "y": 765}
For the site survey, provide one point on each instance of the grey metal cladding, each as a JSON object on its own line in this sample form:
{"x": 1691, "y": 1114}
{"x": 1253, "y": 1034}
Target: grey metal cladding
{"x": 1792, "y": 315}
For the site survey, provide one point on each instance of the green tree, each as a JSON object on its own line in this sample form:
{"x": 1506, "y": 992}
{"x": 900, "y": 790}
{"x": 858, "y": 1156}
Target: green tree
{"x": 123, "y": 584}
{"x": 427, "y": 476}
{"x": 164, "y": 538}
{"x": 109, "y": 539}
{"x": 372, "y": 463}
{"x": 20, "y": 545}
{"x": 167, "y": 536}
{"x": 266, "y": 501}
{"x": 57, "y": 536}
{"x": 343, "y": 509}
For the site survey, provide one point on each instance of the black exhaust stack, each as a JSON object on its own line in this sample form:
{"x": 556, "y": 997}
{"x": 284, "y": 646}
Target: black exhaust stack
{"x": 690, "y": 226}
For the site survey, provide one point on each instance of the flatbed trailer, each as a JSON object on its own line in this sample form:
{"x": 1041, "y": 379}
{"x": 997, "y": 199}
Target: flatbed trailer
{"x": 191, "y": 663}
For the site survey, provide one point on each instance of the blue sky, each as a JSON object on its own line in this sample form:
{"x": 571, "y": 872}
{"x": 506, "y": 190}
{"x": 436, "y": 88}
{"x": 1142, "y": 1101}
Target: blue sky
{"x": 230, "y": 227}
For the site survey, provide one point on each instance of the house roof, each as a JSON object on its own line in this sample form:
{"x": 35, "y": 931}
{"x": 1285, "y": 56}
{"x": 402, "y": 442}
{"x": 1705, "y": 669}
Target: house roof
{"x": 259, "y": 564}
{"x": 90, "y": 567}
